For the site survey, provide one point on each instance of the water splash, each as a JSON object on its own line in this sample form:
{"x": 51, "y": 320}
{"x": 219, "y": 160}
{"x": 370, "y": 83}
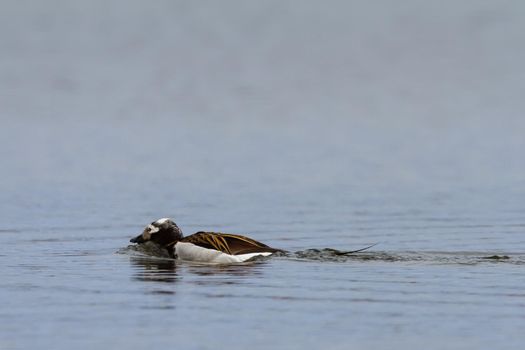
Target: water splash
{"x": 148, "y": 249}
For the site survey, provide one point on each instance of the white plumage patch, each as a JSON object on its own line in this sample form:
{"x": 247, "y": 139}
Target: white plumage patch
{"x": 192, "y": 252}
{"x": 153, "y": 229}
{"x": 161, "y": 221}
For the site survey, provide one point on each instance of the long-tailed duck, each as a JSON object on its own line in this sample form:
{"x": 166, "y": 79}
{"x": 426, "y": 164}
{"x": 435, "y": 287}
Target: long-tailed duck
{"x": 210, "y": 247}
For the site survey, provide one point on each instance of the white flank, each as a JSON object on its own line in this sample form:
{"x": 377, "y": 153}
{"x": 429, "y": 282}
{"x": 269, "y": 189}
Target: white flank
{"x": 192, "y": 252}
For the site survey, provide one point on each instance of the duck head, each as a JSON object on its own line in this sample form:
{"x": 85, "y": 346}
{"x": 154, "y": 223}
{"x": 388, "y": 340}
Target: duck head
{"x": 163, "y": 232}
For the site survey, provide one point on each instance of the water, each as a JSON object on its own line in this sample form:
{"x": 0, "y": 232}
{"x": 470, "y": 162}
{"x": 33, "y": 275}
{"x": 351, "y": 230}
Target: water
{"x": 302, "y": 125}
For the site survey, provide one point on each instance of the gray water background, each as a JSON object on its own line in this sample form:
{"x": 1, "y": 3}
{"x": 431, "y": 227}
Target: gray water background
{"x": 301, "y": 124}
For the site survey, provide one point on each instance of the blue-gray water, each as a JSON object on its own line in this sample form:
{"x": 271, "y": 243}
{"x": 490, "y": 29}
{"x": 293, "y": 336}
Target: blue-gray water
{"x": 301, "y": 124}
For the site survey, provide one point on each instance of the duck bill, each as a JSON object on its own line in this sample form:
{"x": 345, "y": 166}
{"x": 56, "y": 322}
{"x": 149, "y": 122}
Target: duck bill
{"x": 138, "y": 239}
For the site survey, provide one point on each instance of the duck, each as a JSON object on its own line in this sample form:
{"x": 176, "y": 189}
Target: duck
{"x": 205, "y": 247}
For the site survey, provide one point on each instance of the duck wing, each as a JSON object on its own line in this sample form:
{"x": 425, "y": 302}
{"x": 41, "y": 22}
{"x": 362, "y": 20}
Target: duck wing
{"x": 228, "y": 243}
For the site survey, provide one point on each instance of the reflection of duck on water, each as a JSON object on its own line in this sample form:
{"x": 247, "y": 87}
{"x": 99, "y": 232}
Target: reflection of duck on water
{"x": 210, "y": 247}
{"x": 235, "y": 271}
{"x": 165, "y": 270}
{"x": 154, "y": 270}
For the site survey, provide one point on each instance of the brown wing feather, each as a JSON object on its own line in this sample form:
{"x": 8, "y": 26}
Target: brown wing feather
{"x": 228, "y": 243}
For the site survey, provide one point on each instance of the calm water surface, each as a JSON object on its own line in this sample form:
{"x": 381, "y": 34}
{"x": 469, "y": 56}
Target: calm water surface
{"x": 303, "y": 126}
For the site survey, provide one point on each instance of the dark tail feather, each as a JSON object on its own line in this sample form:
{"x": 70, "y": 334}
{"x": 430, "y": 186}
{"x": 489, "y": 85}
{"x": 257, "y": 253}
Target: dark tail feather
{"x": 338, "y": 252}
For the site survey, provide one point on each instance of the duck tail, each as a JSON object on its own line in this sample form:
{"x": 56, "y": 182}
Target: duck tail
{"x": 339, "y": 252}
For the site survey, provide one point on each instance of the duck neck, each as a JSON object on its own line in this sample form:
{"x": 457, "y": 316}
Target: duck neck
{"x": 170, "y": 240}
{"x": 170, "y": 247}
